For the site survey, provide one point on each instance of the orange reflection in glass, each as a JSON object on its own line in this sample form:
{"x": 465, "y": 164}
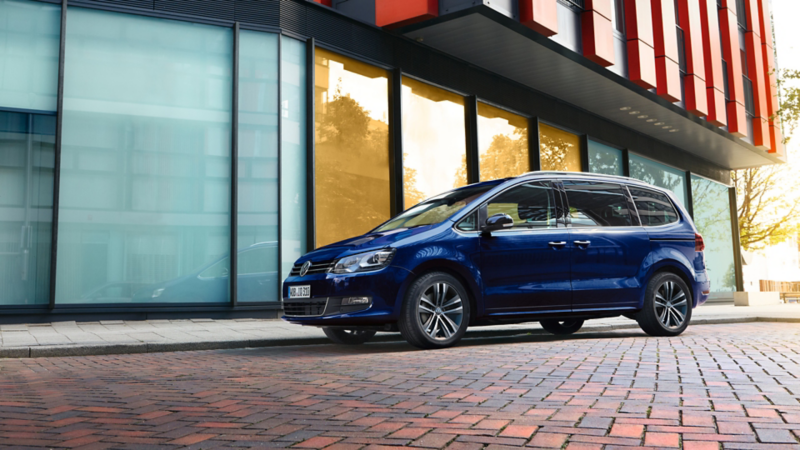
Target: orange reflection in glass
{"x": 434, "y": 141}
{"x": 351, "y": 147}
{"x": 502, "y": 143}
{"x": 559, "y": 150}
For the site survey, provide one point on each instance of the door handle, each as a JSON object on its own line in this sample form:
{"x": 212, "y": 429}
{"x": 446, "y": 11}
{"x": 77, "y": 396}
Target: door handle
{"x": 557, "y": 244}
{"x": 586, "y": 243}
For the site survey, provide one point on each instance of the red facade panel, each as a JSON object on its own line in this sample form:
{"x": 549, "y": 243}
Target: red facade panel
{"x": 712, "y": 51}
{"x": 324, "y": 2}
{"x": 539, "y": 15}
{"x": 665, "y": 40}
{"x": 695, "y": 81}
{"x": 394, "y": 14}
{"x": 737, "y": 118}
{"x": 771, "y": 86}
{"x": 755, "y": 70}
{"x": 597, "y": 32}
{"x": 641, "y": 54}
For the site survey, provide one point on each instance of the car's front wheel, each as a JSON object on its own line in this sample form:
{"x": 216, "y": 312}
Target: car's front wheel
{"x": 667, "y": 306}
{"x": 561, "y": 327}
{"x": 348, "y": 336}
{"x": 435, "y": 311}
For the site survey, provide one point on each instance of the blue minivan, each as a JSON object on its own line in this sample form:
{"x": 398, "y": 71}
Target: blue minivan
{"x": 553, "y": 247}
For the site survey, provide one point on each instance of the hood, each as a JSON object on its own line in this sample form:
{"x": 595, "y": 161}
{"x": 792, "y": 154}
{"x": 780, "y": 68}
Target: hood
{"x": 364, "y": 243}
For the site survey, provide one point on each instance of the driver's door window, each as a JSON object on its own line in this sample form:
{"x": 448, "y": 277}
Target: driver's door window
{"x": 530, "y": 205}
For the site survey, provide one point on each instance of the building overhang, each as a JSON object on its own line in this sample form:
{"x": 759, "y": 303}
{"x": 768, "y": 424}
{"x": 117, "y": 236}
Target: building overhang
{"x": 488, "y": 39}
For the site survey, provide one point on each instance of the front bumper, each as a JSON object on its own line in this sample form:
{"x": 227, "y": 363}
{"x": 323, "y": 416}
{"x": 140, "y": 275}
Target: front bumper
{"x": 327, "y": 291}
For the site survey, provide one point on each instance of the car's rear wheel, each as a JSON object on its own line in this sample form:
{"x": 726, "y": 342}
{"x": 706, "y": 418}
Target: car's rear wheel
{"x": 435, "y": 311}
{"x": 561, "y": 327}
{"x": 667, "y": 306}
{"x": 345, "y": 336}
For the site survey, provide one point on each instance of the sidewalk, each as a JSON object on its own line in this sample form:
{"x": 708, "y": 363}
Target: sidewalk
{"x": 116, "y": 337}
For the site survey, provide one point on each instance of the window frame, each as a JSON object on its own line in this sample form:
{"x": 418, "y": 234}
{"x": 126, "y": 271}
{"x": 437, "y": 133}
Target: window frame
{"x": 633, "y": 212}
{"x": 677, "y": 210}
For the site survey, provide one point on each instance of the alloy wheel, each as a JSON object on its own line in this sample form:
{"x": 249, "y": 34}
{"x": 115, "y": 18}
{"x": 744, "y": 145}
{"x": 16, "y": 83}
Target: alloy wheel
{"x": 671, "y": 305}
{"x": 440, "y": 311}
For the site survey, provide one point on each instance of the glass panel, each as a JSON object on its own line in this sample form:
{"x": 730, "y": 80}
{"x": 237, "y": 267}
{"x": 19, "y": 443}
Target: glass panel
{"x": 145, "y": 170}
{"x": 654, "y": 207}
{"x": 293, "y": 152}
{"x": 604, "y": 159}
{"x": 29, "y": 45}
{"x": 659, "y": 175}
{"x": 559, "y": 150}
{"x": 597, "y": 204}
{"x": 258, "y": 167}
{"x": 531, "y": 205}
{"x": 502, "y": 143}
{"x": 352, "y": 147}
{"x": 712, "y": 216}
{"x": 27, "y": 143}
{"x": 434, "y": 141}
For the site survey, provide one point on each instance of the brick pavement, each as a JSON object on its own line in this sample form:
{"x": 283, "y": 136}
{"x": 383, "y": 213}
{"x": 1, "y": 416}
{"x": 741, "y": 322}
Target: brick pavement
{"x": 717, "y": 386}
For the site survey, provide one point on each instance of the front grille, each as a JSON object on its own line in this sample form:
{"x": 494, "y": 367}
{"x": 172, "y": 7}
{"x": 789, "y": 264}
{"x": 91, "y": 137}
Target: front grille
{"x": 304, "y": 308}
{"x": 316, "y": 267}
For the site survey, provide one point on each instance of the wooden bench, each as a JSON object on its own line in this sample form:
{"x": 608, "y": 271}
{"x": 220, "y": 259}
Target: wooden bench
{"x": 790, "y": 297}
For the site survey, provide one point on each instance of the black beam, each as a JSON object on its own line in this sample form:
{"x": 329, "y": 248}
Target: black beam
{"x": 626, "y": 163}
{"x": 737, "y": 248}
{"x": 311, "y": 211}
{"x": 471, "y": 126}
{"x": 584, "y": 152}
{"x": 232, "y": 272}
{"x": 57, "y": 154}
{"x": 689, "y": 199}
{"x": 396, "y": 141}
{"x": 534, "y": 153}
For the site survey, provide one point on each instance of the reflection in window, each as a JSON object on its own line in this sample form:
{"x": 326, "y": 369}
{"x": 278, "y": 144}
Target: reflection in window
{"x": 502, "y": 143}
{"x": 352, "y": 147}
{"x": 434, "y": 141}
{"x": 604, "y": 159}
{"x": 258, "y": 158}
{"x": 145, "y": 180}
{"x": 597, "y": 204}
{"x": 659, "y": 175}
{"x": 559, "y": 150}
{"x": 530, "y": 205}
{"x": 655, "y": 208}
{"x": 712, "y": 216}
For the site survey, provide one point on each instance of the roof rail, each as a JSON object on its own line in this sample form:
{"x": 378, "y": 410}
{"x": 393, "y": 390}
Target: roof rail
{"x": 601, "y": 175}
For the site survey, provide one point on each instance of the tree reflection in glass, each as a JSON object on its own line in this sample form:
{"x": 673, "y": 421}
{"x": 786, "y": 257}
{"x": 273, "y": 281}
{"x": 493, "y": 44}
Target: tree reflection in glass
{"x": 659, "y": 175}
{"x": 712, "y": 216}
{"x": 559, "y": 150}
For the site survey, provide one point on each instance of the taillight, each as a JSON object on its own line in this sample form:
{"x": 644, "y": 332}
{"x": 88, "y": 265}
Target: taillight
{"x": 699, "y": 245}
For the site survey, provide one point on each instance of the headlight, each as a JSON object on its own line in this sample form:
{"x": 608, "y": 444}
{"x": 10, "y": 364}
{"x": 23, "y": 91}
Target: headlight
{"x": 364, "y": 262}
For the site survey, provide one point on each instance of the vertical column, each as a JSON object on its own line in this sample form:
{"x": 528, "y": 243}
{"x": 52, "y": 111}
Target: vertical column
{"x": 695, "y": 80}
{"x": 771, "y": 80}
{"x": 396, "y": 141}
{"x": 639, "y": 33}
{"x": 233, "y": 274}
{"x": 57, "y": 155}
{"x": 755, "y": 70}
{"x": 665, "y": 39}
{"x": 471, "y": 126}
{"x": 737, "y": 247}
{"x": 311, "y": 199}
{"x": 712, "y": 50}
{"x": 540, "y": 16}
{"x": 729, "y": 33}
{"x": 597, "y": 32}
{"x": 534, "y": 152}
{"x": 395, "y": 14}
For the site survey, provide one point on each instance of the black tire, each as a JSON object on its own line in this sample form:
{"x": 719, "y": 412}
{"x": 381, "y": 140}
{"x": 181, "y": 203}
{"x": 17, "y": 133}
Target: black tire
{"x": 561, "y": 327}
{"x": 663, "y": 308}
{"x": 345, "y": 336}
{"x": 446, "y": 314}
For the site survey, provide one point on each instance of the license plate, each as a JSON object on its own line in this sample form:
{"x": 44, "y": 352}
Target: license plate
{"x": 299, "y": 291}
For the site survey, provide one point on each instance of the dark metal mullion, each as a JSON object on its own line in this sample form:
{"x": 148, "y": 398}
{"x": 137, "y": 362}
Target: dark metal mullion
{"x": 584, "y": 152}
{"x": 534, "y": 154}
{"x": 311, "y": 210}
{"x": 471, "y": 125}
{"x": 689, "y": 199}
{"x": 626, "y": 163}
{"x": 396, "y": 141}
{"x": 233, "y": 260}
{"x": 280, "y": 171}
{"x": 57, "y": 154}
{"x": 737, "y": 249}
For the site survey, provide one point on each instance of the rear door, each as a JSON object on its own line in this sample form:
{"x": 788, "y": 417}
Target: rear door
{"x": 608, "y": 245}
{"x": 526, "y": 268}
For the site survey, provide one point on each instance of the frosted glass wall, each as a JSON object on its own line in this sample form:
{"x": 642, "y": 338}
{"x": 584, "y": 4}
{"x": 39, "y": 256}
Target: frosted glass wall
{"x": 659, "y": 175}
{"x": 604, "y": 159}
{"x": 145, "y": 181}
{"x": 712, "y": 216}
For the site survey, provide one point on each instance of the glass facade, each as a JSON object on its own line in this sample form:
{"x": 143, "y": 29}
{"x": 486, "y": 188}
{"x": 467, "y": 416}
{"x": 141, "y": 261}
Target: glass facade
{"x": 559, "y": 150}
{"x": 502, "y": 143}
{"x": 604, "y": 159}
{"x": 352, "y": 186}
{"x": 257, "y": 188}
{"x": 712, "y": 216}
{"x": 434, "y": 141}
{"x": 659, "y": 175}
{"x": 29, "y": 45}
{"x": 145, "y": 166}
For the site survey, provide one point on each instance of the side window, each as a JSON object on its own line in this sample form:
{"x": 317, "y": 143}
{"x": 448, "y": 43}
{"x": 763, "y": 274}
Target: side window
{"x": 597, "y": 204}
{"x": 531, "y": 205}
{"x": 469, "y": 223}
{"x": 654, "y": 207}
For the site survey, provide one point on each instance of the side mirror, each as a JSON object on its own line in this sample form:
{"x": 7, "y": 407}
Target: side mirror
{"x": 498, "y": 222}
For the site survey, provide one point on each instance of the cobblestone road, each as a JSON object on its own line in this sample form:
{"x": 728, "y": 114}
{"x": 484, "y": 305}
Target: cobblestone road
{"x": 717, "y": 386}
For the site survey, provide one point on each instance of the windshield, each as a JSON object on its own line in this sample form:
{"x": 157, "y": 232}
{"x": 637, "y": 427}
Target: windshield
{"x": 437, "y": 209}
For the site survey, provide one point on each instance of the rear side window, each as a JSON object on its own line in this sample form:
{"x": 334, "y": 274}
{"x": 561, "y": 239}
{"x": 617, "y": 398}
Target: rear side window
{"x": 531, "y": 205}
{"x": 597, "y": 204}
{"x": 654, "y": 207}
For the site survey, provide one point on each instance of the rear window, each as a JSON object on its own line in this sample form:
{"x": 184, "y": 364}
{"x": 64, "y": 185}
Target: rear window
{"x": 597, "y": 204}
{"x": 654, "y": 207}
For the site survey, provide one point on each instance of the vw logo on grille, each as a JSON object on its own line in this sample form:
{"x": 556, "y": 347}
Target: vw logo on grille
{"x": 304, "y": 268}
